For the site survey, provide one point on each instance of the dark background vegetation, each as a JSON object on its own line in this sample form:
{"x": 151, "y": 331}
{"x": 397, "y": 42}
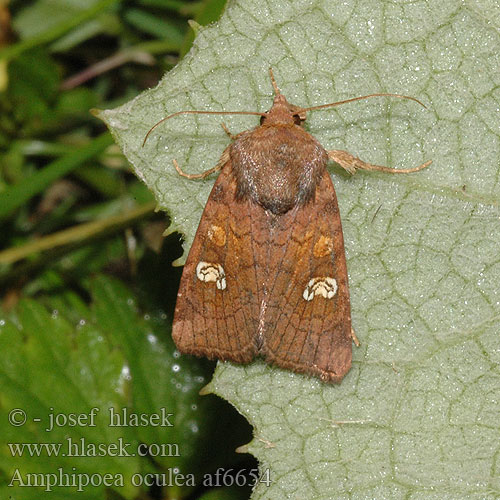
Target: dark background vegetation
{"x": 80, "y": 242}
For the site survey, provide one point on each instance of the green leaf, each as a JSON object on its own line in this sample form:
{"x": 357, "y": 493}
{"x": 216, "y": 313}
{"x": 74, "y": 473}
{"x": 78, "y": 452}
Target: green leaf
{"x": 59, "y": 17}
{"x": 14, "y": 196}
{"x": 417, "y": 416}
{"x": 34, "y": 82}
{"x": 49, "y": 366}
{"x": 151, "y": 24}
{"x": 111, "y": 355}
{"x": 53, "y": 12}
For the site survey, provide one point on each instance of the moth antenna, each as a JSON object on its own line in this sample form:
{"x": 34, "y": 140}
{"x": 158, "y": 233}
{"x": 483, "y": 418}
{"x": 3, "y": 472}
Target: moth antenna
{"x": 338, "y": 103}
{"x": 193, "y": 112}
{"x": 273, "y": 81}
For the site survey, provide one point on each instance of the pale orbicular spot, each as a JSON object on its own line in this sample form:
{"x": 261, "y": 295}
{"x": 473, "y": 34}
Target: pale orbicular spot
{"x": 208, "y": 272}
{"x": 217, "y": 235}
{"x": 323, "y": 247}
{"x": 324, "y": 287}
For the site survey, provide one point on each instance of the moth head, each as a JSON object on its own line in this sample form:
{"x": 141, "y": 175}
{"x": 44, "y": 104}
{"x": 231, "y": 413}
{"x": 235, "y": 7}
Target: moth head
{"x": 283, "y": 113}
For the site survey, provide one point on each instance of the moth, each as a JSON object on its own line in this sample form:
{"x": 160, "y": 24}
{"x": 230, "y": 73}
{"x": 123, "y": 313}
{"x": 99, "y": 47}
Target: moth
{"x": 266, "y": 274}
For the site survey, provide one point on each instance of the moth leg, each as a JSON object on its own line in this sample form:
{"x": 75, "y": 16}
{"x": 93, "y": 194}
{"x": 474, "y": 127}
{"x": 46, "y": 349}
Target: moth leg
{"x": 354, "y": 338}
{"x": 350, "y": 163}
{"x": 228, "y": 132}
{"x": 222, "y": 161}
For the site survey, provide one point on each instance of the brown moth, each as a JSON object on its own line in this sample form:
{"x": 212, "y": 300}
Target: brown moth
{"x": 266, "y": 274}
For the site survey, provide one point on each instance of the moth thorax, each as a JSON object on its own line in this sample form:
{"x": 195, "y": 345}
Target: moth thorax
{"x": 278, "y": 166}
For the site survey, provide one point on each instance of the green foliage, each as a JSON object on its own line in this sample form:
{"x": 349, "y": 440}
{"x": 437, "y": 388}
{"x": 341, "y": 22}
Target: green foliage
{"x": 72, "y": 358}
